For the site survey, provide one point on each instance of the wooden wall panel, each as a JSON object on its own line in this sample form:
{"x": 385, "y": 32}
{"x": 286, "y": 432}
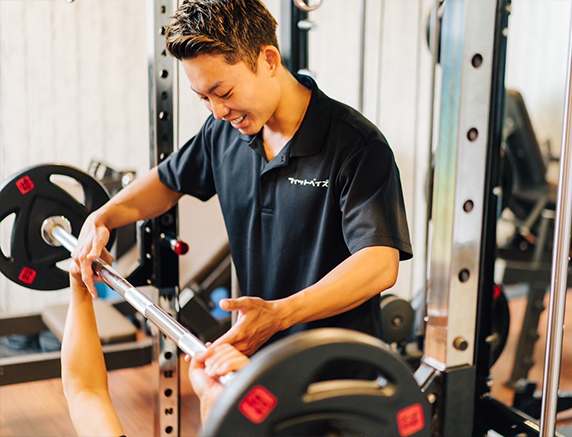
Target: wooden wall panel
{"x": 73, "y": 87}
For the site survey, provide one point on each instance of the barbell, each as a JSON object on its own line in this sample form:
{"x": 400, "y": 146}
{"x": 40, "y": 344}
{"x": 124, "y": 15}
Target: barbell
{"x": 56, "y": 232}
{"x": 31, "y": 195}
{"x": 284, "y": 390}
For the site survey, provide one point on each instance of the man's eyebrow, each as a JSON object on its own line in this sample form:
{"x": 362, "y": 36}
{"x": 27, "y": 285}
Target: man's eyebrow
{"x": 214, "y": 87}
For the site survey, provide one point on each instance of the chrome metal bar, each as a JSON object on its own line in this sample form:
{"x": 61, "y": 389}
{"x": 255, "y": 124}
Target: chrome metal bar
{"x": 560, "y": 253}
{"x": 186, "y": 341}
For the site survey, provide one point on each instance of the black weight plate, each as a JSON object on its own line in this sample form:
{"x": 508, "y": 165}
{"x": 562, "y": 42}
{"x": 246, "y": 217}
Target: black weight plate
{"x": 282, "y": 392}
{"x": 397, "y": 317}
{"x": 33, "y": 197}
{"x": 500, "y": 316}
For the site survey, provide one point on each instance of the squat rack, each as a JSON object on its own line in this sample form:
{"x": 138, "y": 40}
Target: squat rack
{"x": 455, "y": 364}
{"x": 466, "y": 195}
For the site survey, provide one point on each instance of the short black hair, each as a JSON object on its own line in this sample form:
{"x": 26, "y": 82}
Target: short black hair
{"x": 236, "y": 29}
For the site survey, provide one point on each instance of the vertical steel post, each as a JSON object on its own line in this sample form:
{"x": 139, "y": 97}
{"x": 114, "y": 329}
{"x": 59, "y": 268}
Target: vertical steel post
{"x": 459, "y": 206}
{"x": 162, "y": 136}
{"x": 466, "y": 59}
{"x": 559, "y": 275}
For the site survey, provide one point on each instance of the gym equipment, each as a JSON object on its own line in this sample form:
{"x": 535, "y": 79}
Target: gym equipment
{"x": 32, "y": 195}
{"x": 280, "y": 392}
{"x": 54, "y": 233}
{"x": 45, "y": 216}
{"x": 391, "y": 402}
{"x": 500, "y": 319}
{"x": 397, "y": 317}
{"x": 559, "y": 272}
{"x": 532, "y": 200}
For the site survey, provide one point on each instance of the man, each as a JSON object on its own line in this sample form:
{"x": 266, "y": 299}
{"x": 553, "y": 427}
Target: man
{"x": 309, "y": 189}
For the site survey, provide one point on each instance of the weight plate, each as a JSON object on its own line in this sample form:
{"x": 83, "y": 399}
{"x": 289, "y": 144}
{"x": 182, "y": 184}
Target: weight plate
{"x": 33, "y": 196}
{"x": 397, "y": 317}
{"x": 500, "y": 316}
{"x": 282, "y": 391}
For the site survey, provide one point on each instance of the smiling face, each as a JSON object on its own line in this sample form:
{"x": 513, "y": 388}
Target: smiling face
{"x": 233, "y": 92}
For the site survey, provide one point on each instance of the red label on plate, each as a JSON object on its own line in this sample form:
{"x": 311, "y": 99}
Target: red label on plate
{"x": 258, "y": 404}
{"x": 25, "y": 185}
{"x": 410, "y": 420}
{"x": 27, "y": 275}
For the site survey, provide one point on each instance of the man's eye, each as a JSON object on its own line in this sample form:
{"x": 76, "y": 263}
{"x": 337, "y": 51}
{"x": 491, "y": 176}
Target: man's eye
{"x": 226, "y": 96}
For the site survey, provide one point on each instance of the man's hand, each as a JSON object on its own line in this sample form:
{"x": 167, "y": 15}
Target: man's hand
{"x": 77, "y": 281}
{"x": 207, "y": 367}
{"x": 257, "y": 321}
{"x": 90, "y": 246}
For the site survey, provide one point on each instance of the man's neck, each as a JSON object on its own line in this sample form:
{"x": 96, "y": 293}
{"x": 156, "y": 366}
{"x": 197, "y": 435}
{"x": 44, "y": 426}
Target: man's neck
{"x": 288, "y": 116}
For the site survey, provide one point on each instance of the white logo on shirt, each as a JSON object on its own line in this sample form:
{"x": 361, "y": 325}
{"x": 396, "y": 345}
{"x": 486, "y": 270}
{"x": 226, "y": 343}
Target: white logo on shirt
{"x": 313, "y": 182}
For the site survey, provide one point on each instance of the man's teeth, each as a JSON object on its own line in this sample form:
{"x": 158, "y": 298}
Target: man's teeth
{"x": 238, "y": 120}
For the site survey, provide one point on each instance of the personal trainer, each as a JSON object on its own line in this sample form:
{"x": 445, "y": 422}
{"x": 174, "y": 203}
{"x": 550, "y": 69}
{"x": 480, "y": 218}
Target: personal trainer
{"x": 309, "y": 188}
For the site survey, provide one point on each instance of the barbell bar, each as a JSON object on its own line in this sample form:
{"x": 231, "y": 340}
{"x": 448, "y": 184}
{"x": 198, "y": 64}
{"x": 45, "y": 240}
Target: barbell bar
{"x": 56, "y": 231}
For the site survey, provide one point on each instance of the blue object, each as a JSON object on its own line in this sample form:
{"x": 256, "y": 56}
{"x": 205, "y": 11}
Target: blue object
{"x": 104, "y": 291}
{"x": 217, "y": 295}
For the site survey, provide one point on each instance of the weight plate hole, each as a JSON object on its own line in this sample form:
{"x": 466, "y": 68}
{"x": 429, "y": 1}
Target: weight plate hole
{"x": 6, "y": 226}
{"x": 70, "y": 185}
{"x": 64, "y": 264}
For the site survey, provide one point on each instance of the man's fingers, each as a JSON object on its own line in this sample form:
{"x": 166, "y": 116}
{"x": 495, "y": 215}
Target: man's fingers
{"x": 223, "y": 360}
{"x": 227, "y": 337}
{"x": 228, "y": 304}
{"x": 107, "y": 257}
{"x": 87, "y": 276}
{"x": 227, "y": 365}
{"x": 242, "y": 303}
{"x": 97, "y": 249}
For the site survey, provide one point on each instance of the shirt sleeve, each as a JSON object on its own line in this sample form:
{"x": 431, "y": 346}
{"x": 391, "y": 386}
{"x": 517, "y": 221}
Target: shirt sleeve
{"x": 189, "y": 169}
{"x": 371, "y": 201}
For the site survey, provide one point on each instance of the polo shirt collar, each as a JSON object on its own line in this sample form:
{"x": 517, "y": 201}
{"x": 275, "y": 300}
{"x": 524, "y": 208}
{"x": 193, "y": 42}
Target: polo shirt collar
{"x": 312, "y": 131}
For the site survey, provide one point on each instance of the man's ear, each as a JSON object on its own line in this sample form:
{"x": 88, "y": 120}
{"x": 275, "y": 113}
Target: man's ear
{"x": 270, "y": 56}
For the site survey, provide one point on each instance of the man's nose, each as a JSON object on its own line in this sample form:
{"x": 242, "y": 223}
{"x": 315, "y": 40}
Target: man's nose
{"x": 219, "y": 110}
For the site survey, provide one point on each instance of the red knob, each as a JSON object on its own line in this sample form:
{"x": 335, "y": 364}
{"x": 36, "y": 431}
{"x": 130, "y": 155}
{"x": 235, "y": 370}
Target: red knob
{"x": 180, "y": 247}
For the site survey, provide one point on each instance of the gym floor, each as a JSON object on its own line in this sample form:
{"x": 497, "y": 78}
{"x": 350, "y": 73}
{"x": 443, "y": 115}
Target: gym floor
{"x": 39, "y": 408}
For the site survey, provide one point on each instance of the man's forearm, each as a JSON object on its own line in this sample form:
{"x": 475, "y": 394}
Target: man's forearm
{"x": 145, "y": 198}
{"x": 359, "y": 278}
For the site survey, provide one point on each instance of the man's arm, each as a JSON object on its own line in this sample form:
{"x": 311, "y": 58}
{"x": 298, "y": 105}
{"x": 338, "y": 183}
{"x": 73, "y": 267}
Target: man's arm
{"x": 147, "y": 197}
{"x": 356, "y": 280}
{"x": 84, "y": 375}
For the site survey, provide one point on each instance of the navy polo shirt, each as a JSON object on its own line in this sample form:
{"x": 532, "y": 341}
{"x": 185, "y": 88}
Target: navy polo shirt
{"x": 332, "y": 190}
